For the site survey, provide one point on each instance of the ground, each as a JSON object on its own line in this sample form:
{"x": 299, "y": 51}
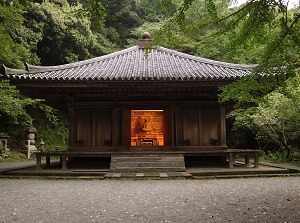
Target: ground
{"x": 275, "y": 199}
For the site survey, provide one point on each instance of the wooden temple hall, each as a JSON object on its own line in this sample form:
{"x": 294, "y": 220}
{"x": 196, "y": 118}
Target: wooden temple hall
{"x": 153, "y": 109}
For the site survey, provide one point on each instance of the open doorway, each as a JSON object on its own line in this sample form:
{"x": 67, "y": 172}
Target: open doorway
{"x": 147, "y": 128}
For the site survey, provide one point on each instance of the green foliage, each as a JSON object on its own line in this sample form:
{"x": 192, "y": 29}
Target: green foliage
{"x": 51, "y": 126}
{"x": 93, "y": 9}
{"x": 156, "y": 10}
{"x": 250, "y": 90}
{"x": 14, "y": 157}
{"x": 274, "y": 117}
{"x": 123, "y": 17}
{"x": 17, "y": 111}
{"x": 13, "y": 105}
{"x": 55, "y": 34}
{"x": 263, "y": 32}
{"x": 279, "y": 157}
{"x": 11, "y": 53}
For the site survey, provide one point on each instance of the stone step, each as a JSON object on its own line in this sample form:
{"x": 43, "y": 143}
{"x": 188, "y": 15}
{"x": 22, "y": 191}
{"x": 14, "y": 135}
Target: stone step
{"x": 147, "y": 169}
{"x": 148, "y": 174}
{"x": 146, "y": 159}
{"x": 147, "y": 155}
{"x": 147, "y": 164}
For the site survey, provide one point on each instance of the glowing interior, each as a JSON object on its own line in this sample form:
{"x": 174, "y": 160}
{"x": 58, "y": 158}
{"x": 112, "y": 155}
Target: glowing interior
{"x": 147, "y": 128}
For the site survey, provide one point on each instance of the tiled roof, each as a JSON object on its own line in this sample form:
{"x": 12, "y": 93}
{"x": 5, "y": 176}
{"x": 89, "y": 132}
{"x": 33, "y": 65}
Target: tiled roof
{"x": 133, "y": 64}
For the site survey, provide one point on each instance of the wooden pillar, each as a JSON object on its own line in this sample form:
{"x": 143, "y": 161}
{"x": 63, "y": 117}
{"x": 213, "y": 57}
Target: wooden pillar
{"x": 116, "y": 126}
{"x": 231, "y": 157}
{"x": 126, "y": 127}
{"x": 247, "y": 163}
{"x": 200, "y": 127}
{"x": 72, "y": 127}
{"x": 172, "y": 126}
{"x": 168, "y": 126}
{"x": 38, "y": 162}
{"x": 178, "y": 126}
{"x": 93, "y": 124}
{"x": 256, "y": 160}
{"x": 47, "y": 161}
{"x": 64, "y": 162}
{"x": 222, "y": 126}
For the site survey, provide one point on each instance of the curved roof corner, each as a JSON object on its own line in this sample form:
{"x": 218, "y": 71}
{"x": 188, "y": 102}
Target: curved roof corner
{"x": 10, "y": 71}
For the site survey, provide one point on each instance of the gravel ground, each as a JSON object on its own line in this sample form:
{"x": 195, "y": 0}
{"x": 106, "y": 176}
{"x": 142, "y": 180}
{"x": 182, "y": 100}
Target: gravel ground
{"x": 227, "y": 200}
{"x": 16, "y": 164}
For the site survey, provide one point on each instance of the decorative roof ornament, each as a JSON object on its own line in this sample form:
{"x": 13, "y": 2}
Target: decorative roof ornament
{"x": 146, "y": 39}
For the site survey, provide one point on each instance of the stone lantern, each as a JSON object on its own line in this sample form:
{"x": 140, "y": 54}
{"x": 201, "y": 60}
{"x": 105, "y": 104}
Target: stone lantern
{"x": 30, "y": 140}
{"x": 3, "y": 145}
{"x": 41, "y": 147}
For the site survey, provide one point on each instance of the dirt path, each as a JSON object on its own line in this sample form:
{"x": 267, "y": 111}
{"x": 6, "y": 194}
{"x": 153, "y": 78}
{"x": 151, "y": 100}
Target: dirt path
{"x": 228, "y": 200}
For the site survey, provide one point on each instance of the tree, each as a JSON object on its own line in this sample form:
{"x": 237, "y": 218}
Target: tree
{"x": 256, "y": 97}
{"x": 270, "y": 117}
{"x": 156, "y": 10}
{"x": 13, "y": 105}
{"x": 123, "y": 17}
{"x": 274, "y": 118}
{"x": 263, "y": 32}
{"x": 58, "y": 34}
{"x": 17, "y": 112}
{"x": 12, "y": 54}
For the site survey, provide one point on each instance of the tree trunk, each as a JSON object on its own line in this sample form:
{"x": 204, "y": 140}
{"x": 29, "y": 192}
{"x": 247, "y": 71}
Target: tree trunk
{"x": 287, "y": 148}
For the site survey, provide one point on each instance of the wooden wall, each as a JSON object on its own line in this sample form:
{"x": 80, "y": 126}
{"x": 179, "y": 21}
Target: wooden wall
{"x": 93, "y": 127}
{"x": 197, "y": 126}
{"x": 100, "y": 126}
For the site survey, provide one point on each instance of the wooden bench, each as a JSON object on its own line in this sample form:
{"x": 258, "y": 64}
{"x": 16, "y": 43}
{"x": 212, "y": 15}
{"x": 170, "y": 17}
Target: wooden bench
{"x": 63, "y": 155}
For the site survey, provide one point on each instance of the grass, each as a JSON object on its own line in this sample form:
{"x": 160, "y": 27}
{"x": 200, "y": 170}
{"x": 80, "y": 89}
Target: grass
{"x": 15, "y": 157}
{"x": 283, "y": 162}
{"x": 268, "y": 159}
{"x": 280, "y": 158}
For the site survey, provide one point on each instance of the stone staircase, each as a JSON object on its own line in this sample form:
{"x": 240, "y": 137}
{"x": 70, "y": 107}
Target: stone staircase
{"x": 143, "y": 162}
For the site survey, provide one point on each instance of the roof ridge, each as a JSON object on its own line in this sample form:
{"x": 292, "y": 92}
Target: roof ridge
{"x": 35, "y": 69}
{"x": 209, "y": 61}
{"x": 8, "y": 71}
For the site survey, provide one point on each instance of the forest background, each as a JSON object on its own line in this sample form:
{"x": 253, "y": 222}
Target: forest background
{"x": 266, "y": 107}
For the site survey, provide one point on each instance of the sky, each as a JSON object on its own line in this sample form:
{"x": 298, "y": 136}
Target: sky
{"x": 292, "y": 3}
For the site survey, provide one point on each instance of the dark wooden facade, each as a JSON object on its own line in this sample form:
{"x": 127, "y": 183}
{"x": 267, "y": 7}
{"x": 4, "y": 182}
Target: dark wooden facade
{"x": 101, "y": 125}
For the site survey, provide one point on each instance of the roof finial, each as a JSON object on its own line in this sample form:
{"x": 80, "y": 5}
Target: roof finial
{"x": 146, "y": 35}
{"x": 146, "y": 38}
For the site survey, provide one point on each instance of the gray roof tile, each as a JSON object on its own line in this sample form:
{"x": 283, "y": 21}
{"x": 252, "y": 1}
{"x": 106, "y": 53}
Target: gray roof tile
{"x": 132, "y": 64}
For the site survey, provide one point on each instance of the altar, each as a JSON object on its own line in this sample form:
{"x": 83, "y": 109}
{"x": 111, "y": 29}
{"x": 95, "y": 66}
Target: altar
{"x": 148, "y": 140}
{"x": 147, "y": 128}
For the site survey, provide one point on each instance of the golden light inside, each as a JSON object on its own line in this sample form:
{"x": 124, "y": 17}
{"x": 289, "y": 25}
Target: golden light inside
{"x": 147, "y": 128}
